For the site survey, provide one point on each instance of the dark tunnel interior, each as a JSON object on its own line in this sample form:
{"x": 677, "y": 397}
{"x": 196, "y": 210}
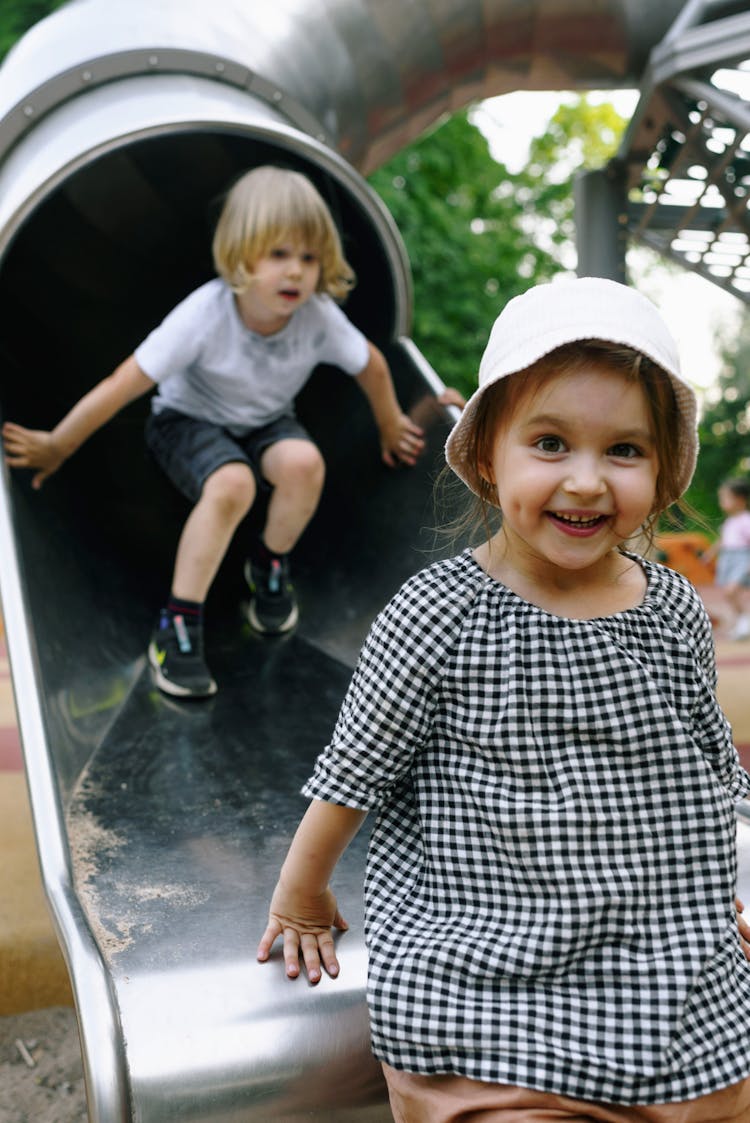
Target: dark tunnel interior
{"x": 93, "y": 269}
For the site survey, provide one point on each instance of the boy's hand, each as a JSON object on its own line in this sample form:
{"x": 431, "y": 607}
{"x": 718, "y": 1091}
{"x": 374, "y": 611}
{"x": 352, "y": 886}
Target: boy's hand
{"x": 452, "y": 397}
{"x": 31, "y": 448}
{"x": 305, "y": 923}
{"x": 402, "y": 442}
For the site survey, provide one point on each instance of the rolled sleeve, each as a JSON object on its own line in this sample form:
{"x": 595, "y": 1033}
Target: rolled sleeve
{"x": 387, "y": 713}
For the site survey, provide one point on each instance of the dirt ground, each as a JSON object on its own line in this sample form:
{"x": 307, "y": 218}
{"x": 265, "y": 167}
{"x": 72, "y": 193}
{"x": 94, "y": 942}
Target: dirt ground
{"x": 41, "y": 1076}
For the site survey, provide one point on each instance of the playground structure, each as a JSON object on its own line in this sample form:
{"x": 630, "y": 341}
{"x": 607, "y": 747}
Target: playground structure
{"x": 160, "y": 827}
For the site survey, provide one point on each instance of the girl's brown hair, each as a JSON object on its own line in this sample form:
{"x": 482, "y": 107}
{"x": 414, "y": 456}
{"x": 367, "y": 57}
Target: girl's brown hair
{"x": 266, "y": 207}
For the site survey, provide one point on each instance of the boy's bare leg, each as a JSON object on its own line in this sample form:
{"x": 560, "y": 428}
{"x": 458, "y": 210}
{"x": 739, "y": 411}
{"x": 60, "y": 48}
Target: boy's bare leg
{"x": 740, "y": 623}
{"x": 228, "y": 494}
{"x": 733, "y": 595}
{"x": 296, "y": 470}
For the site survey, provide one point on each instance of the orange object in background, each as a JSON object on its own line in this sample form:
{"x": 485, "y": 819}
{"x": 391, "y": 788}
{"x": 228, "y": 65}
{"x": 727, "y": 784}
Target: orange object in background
{"x": 682, "y": 553}
{"x": 32, "y": 969}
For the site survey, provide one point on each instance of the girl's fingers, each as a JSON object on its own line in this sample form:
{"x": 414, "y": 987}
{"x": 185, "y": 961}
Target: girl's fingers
{"x": 291, "y": 952}
{"x": 328, "y": 954}
{"x": 314, "y": 947}
{"x": 267, "y": 940}
{"x": 311, "y": 956}
{"x": 317, "y": 949}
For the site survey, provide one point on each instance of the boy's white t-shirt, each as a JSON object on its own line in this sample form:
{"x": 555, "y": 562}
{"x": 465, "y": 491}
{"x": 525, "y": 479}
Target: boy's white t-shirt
{"x": 210, "y": 366}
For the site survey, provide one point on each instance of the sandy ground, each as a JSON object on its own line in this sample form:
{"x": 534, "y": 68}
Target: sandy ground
{"x": 41, "y": 1076}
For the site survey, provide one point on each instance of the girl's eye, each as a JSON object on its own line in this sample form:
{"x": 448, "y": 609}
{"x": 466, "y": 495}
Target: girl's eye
{"x": 625, "y": 451}
{"x": 278, "y": 252}
{"x": 550, "y": 444}
{"x": 309, "y": 258}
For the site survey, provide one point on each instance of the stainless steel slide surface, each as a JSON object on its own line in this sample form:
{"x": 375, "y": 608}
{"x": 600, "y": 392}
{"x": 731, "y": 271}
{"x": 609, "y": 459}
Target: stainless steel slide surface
{"x": 176, "y": 815}
{"x": 179, "y": 821}
{"x": 161, "y": 825}
{"x": 86, "y": 563}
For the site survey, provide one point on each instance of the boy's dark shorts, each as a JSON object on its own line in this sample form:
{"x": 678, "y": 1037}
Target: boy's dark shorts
{"x": 189, "y": 451}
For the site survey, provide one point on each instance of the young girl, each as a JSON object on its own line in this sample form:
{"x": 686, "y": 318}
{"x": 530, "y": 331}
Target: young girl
{"x": 550, "y": 912}
{"x": 733, "y": 551}
{"x": 228, "y": 362}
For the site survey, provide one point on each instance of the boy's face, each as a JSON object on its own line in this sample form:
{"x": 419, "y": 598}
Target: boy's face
{"x": 283, "y": 280}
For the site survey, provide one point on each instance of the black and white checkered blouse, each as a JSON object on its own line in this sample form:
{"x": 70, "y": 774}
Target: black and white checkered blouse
{"x": 549, "y": 897}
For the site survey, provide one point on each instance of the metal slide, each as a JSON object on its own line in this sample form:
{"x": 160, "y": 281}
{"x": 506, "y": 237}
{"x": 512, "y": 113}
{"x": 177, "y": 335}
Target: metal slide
{"x": 161, "y": 826}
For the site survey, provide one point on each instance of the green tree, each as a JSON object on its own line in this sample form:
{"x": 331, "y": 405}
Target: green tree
{"x": 724, "y": 429}
{"x": 17, "y": 16}
{"x": 478, "y": 234}
{"x": 467, "y": 249}
{"x": 581, "y": 134}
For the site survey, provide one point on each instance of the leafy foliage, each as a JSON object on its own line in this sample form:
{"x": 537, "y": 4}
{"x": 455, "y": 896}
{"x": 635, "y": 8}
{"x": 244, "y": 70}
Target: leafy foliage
{"x": 468, "y": 250}
{"x": 17, "y": 16}
{"x": 581, "y": 134}
{"x": 478, "y": 234}
{"x": 725, "y": 427}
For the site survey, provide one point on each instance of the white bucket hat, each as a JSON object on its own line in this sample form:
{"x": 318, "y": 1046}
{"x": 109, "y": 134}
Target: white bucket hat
{"x": 559, "y": 312}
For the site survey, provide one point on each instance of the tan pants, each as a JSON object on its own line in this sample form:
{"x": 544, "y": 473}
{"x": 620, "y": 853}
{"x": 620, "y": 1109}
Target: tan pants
{"x": 455, "y": 1099}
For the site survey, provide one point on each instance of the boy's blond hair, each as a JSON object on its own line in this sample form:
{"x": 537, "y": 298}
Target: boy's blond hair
{"x": 267, "y": 207}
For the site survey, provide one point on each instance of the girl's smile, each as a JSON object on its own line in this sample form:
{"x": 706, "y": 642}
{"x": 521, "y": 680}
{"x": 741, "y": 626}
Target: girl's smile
{"x": 578, "y": 523}
{"x": 575, "y": 468}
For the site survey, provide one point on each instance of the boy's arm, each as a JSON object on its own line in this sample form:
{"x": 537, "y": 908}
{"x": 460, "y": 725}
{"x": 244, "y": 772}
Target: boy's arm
{"x": 303, "y": 908}
{"x": 36, "y": 448}
{"x": 401, "y": 441}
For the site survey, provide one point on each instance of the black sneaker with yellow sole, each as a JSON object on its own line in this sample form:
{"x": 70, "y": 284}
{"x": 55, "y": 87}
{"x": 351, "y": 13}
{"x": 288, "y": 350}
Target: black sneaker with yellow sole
{"x": 176, "y": 657}
{"x": 273, "y": 604}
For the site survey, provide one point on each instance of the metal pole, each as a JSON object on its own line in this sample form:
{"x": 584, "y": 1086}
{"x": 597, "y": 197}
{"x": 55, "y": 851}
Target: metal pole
{"x": 600, "y": 212}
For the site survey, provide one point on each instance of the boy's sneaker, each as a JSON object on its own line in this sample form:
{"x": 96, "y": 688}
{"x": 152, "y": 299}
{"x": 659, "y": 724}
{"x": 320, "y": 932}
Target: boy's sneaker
{"x": 176, "y": 656}
{"x": 273, "y": 605}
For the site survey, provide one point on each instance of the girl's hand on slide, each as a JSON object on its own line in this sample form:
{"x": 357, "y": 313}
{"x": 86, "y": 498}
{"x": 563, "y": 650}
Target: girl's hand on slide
{"x": 305, "y": 923}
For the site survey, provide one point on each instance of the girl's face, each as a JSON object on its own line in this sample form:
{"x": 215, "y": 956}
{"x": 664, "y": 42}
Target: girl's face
{"x": 575, "y": 465}
{"x": 283, "y": 280}
{"x": 729, "y": 502}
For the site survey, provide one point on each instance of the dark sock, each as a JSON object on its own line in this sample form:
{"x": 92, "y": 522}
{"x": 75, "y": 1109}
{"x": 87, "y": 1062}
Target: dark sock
{"x": 190, "y": 610}
{"x": 263, "y": 556}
